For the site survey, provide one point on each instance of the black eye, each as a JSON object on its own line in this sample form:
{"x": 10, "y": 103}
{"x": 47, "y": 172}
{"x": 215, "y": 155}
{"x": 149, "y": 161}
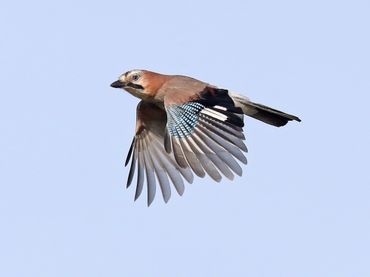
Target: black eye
{"x": 135, "y": 77}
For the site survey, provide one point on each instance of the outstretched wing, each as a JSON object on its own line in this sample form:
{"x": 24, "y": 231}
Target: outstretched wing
{"x": 204, "y": 131}
{"x": 148, "y": 155}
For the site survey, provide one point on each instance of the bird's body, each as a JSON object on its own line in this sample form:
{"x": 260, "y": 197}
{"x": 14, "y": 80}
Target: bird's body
{"x": 187, "y": 126}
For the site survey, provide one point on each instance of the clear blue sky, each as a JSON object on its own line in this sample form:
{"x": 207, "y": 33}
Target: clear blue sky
{"x": 302, "y": 207}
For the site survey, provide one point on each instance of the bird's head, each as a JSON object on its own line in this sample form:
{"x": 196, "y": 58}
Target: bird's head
{"x": 140, "y": 83}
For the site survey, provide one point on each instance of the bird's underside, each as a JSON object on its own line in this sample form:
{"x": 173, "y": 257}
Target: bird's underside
{"x": 185, "y": 127}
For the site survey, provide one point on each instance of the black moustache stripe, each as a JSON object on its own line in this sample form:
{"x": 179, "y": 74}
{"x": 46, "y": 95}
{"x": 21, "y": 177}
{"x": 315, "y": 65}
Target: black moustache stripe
{"x": 134, "y": 85}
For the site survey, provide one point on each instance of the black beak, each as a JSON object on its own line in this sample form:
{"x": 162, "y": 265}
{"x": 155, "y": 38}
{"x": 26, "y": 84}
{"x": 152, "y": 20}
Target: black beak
{"x": 117, "y": 84}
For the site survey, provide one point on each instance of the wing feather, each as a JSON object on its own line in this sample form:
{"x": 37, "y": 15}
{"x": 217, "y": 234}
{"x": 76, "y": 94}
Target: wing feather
{"x": 147, "y": 153}
{"x": 191, "y": 158}
{"x": 140, "y": 171}
{"x": 159, "y": 171}
{"x": 221, "y": 152}
{"x": 132, "y": 168}
{"x": 205, "y": 161}
{"x": 171, "y": 170}
{"x": 151, "y": 183}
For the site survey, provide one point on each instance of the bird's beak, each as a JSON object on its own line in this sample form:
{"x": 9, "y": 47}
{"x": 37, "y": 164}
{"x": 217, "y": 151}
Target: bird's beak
{"x": 118, "y": 84}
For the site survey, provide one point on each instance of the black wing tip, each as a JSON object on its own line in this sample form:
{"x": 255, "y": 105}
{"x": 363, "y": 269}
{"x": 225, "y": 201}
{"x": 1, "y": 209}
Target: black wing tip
{"x": 129, "y": 154}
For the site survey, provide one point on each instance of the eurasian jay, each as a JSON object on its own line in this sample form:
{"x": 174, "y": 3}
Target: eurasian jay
{"x": 187, "y": 126}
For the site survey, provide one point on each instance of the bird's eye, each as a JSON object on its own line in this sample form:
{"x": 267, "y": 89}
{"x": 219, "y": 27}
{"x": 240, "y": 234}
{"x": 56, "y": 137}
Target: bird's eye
{"x": 135, "y": 77}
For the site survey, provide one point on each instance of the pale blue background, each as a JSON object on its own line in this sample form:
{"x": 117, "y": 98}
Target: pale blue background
{"x": 302, "y": 207}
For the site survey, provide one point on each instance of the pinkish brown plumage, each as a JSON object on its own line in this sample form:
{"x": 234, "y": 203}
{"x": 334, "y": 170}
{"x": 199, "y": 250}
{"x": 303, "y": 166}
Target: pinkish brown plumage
{"x": 185, "y": 127}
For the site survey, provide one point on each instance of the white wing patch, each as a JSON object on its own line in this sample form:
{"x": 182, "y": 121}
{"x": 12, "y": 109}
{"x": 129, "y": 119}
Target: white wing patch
{"x": 214, "y": 114}
{"x": 220, "y": 108}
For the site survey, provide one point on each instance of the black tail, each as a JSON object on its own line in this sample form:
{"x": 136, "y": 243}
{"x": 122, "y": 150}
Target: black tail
{"x": 262, "y": 112}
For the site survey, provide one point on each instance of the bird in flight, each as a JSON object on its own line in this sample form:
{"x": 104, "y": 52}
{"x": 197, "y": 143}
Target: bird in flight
{"x": 186, "y": 126}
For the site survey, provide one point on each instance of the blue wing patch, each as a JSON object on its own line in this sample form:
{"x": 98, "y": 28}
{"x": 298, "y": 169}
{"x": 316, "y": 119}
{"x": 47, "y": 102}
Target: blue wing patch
{"x": 182, "y": 119}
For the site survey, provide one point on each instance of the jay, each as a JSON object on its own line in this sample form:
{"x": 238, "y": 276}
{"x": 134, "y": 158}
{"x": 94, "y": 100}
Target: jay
{"x": 187, "y": 126}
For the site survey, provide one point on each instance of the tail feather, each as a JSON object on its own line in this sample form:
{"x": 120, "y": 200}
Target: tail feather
{"x": 261, "y": 112}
